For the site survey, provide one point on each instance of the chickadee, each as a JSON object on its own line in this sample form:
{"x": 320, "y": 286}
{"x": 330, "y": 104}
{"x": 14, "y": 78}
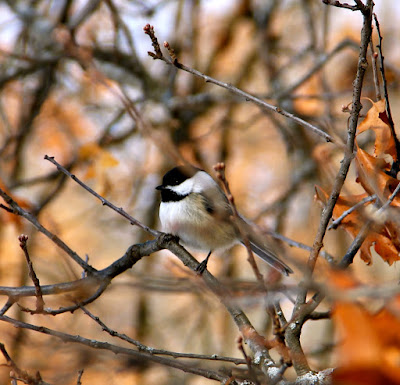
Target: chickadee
{"x": 194, "y": 208}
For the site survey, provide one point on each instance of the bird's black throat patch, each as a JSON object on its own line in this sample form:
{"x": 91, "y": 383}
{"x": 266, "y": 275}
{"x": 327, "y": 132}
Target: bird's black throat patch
{"x": 168, "y": 195}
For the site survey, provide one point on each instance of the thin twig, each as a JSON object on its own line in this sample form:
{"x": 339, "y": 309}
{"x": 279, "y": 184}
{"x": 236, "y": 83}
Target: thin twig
{"x": 153, "y": 351}
{"x": 78, "y": 380}
{"x": 337, "y": 221}
{"x": 374, "y": 56}
{"x": 19, "y": 374}
{"x": 321, "y": 60}
{"x": 149, "y": 30}
{"x": 70, "y": 309}
{"x": 7, "y": 305}
{"x": 41, "y": 93}
{"x": 220, "y": 170}
{"x": 103, "y": 200}
{"x": 301, "y": 245}
{"x": 338, "y": 4}
{"x": 23, "y": 239}
{"x": 247, "y": 360}
{"x": 316, "y": 316}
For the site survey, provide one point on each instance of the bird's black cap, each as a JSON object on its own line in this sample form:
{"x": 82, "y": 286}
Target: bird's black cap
{"x": 177, "y": 175}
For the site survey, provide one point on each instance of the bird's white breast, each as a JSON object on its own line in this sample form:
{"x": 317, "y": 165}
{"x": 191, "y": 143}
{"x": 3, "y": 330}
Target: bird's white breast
{"x": 172, "y": 214}
{"x": 196, "y": 228}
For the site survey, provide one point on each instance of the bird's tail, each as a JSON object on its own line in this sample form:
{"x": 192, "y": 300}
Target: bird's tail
{"x": 262, "y": 245}
{"x": 271, "y": 258}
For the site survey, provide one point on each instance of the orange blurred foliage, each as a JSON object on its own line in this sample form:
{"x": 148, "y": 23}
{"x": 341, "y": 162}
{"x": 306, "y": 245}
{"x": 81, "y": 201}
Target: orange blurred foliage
{"x": 369, "y": 348}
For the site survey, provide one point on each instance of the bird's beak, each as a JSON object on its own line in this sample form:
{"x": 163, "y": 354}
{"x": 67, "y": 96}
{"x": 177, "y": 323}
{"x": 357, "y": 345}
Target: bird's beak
{"x": 161, "y": 187}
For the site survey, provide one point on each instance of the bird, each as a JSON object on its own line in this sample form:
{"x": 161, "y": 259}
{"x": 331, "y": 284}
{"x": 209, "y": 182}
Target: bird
{"x": 194, "y": 208}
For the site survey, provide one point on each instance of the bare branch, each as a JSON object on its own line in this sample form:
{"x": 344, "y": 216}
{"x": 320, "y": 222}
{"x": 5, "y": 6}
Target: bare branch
{"x": 149, "y": 30}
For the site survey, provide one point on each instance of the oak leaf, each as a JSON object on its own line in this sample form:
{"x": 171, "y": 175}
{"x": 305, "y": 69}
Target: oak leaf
{"x": 377, "y": 121}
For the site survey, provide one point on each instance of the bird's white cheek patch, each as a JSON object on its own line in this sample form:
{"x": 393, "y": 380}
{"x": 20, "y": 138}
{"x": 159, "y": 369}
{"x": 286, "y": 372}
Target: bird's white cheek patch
{"x": 184, "y": 188}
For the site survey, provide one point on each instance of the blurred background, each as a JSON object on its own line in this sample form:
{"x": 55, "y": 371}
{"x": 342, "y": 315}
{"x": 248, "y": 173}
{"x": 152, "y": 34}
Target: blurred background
{"x": 63, "y": 65}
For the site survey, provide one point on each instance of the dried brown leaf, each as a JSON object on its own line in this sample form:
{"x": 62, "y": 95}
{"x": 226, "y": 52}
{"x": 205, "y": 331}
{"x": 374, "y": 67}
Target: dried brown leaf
{"x": 377, "y": 121}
